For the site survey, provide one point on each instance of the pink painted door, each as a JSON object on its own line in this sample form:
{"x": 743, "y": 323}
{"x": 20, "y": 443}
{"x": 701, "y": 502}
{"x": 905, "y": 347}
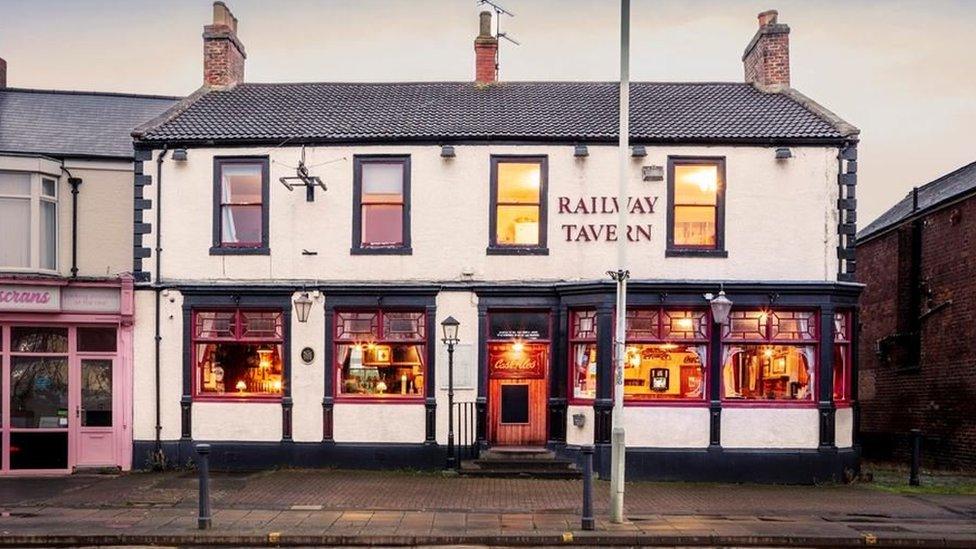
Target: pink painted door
{"x": 94, "y": 422}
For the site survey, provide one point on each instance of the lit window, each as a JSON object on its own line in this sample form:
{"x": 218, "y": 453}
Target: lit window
{"x": 380, "y": 354}
{"x": 696, "y": 189}
{"x": 842, "y": 357}
{"x": 665, "y": 355}
{"x": 28, "y": 221}
{"x": 769, "y": 355}
{"x": 238, "y": 353}
{"x": 519, "y": 203}
{"x": 382, "y": 190}
{"x": 582, "y": 358}
{"x": 241, "y": 203}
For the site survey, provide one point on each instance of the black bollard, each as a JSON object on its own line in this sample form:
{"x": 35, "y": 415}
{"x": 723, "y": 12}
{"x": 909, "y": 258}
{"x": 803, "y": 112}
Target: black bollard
{"x": 203, "y": 466}
{"x": 587, "y": 522}
{"x": 916, "y": 457}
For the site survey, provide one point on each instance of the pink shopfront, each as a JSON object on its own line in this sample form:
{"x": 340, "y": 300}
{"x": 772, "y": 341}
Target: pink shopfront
{"x": 66, "y": 381}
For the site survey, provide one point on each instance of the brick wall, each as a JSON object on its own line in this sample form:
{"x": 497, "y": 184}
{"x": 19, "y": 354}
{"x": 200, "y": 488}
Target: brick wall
{"x": 939, "y": 396}
{"x": 769, "y": 62}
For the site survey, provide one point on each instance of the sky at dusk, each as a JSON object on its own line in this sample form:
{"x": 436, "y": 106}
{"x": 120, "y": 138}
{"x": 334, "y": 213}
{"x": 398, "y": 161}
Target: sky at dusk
{"x": 902, "y": 71}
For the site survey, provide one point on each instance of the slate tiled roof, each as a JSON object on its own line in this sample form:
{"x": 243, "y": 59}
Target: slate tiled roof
{"x": 931, "y": 195}
{"x": 345, "y": 112}
{"x": 74, "y": 124}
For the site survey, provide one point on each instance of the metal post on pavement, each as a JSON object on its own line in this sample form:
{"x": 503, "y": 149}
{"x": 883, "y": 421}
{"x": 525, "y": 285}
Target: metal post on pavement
{"x": 451, "y": 458}
{"x": 916, "y": 437}
{"x": 203, "y": 466}
{"x": 587, "y": 521}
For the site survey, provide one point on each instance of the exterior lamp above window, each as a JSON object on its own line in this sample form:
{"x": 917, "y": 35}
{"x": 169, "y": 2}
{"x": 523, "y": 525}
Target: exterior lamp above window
{"x": 303, "y": 306}
{"x": 783, "y": 153}
{"x": 581, "y": 151}
{"x": 638, "y": 151}
{"x": 447, "y": 151}
{"x": 450, "y": 326}
{"x": 179, "y": 155}
{"x": 721, "y": 306}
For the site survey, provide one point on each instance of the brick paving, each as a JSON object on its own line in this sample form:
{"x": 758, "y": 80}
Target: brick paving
{"x": 307, "y": 507}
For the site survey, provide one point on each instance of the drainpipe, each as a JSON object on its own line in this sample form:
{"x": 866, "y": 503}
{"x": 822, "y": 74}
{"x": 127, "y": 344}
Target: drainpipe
{"x": 75, "y": 182}
{"x": 158, "y": 289}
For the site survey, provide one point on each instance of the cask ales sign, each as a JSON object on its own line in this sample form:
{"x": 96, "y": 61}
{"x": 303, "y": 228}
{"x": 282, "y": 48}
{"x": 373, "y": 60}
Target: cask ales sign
{"x": 507, "y": 361}
{"x": 585, "y": 230}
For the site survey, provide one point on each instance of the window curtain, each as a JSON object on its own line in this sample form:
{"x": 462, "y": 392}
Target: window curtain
{"x": 728, "y": 370}
{"x": 15, "y": 226}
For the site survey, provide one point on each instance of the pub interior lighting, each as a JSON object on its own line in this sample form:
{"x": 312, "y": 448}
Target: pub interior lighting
{"x": 783, "y": 153}
{"x": 720, "y": 305}
{"x": 179, "y": 155}
{"x": 581, "y": 151}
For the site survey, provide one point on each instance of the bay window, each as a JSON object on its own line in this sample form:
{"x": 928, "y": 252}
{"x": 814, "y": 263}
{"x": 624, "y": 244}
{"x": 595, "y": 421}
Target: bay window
{"x": 380, "y": 354}
{"x": 666, "y": 354}
{"x": 582, "y": 349}
{"x": 238, "y": 353}
{"x": 381, "y": 210}
{"x": 518, "y": 205}
{"x": 842, "y": 357}
{"x": 240, "y": 224}
{"x": 28, "y": 221}
{"x": 769, "y": 355}
{"x": 696, "y": 206}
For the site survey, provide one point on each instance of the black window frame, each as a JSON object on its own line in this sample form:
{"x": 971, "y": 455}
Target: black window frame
{"x": 357, "y": 248}
{"x": 218, "y": 247}
{"x": 698, "y": 251}
{"x": 542, "y": 248}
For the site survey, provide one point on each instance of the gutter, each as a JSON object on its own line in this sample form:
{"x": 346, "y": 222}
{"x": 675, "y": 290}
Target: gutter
{"x": 75, "y": 182}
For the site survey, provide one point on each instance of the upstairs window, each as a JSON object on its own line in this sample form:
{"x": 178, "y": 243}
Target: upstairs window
{"x": 696, "y": 213}
{"x": 518, "y": 205}
{"x": 240, "y": 205}
{"x": 381, "y": 215}
{"x": 28, "y": 221}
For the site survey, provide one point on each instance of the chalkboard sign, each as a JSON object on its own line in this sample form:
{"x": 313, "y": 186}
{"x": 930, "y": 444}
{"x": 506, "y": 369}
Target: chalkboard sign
{"x": 515, "y": 403}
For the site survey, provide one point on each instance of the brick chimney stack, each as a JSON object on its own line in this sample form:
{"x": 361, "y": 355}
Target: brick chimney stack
{"x": 223, "y": 52}
{"x": 3, "y": 73}
{"x": 485, "y": 53}
{"x": 766, "y": 60}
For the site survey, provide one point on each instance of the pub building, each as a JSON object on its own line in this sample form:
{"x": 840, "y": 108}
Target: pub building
{"x": 66, "y": 300}
{"x": 317, "y": 235}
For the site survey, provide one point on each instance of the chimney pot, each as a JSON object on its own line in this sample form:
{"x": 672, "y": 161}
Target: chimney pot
{"x": 485, "y": 52}
{"x": 223, "y": 52}
{"x": 766, "y": 61}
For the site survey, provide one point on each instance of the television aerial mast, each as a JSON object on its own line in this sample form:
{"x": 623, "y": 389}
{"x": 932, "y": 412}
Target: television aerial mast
{"x": 499, "y": 11}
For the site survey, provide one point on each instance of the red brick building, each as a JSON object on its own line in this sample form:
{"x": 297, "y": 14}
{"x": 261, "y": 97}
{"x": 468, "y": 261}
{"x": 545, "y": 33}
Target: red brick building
{"x": 918, "y": 316}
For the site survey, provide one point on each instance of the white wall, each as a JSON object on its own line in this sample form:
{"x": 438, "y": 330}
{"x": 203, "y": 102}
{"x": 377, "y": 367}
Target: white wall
{"x": 463, "y": 306}
{"x": 780, "y": 218}
{"x": 666, "y": 427}
{"x": 397, "y": 423}
{"x": 844, "y": 427}
{"x": 236, "y": 421}
{"x": 307, "y": 380}
{"x": 579, "y": 436}
{"x": 171, "y": 365}
{"x": 770, "y": 428}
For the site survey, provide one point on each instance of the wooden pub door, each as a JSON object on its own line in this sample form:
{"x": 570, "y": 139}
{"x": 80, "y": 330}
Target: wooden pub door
{"x": 517, "y": 393}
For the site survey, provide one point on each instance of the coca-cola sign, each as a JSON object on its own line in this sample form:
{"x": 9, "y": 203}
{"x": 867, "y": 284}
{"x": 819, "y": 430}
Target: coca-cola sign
{"x": 30, "y": 298}
{"x": 517, "y": 360}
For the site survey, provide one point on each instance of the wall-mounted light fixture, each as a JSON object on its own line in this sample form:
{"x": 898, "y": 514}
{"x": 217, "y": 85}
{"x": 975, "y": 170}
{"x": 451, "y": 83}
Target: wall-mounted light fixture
{"x": 580, "y": 151}
{"x": 782, "y": 153}
{"x": 638, "y": 151}
{"x": 303, "y": 306}
{"x": 447, "y": 151}
{"x": 179, "y": 155}
{"x": 720, "y": 305}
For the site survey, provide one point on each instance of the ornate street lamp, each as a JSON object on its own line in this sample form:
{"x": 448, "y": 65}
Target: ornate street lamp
{"x": 720, "y": 306}
{"x": 303, "y": 306}
{"x": 450, "y": 326}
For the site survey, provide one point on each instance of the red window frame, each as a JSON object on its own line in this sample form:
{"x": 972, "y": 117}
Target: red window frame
{"x": 771, "y": 337}
{"x": 842, "y": 347}
{"x": 377, "y": 333}
{"x": 662, "y": 335}
{"x": 574, "y": 339}
{"x": 237, "y": 335}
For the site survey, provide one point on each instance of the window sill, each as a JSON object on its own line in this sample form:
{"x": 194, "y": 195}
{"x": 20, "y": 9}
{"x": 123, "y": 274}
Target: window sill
{"x": 381, "y": 251}
{"x": 379, "y": 400}
{"x": 227, "y": 250}
{"x": 516, "y": 250}
{"x": 679, "y": 252}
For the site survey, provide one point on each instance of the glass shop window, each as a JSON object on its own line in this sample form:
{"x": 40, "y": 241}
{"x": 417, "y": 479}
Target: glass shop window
{"x": 380, "y": 354}
{"x": 582, "y": 359}
{"x": 842, "y": 357}
{"x": 519, "y": 203}
{"x": 697, "y": 188}
{"x": 241, "y": 203}
{"x": 769, "y": 355}
{"x": 238, "y": 353}
{"x": 383, "y": 191}
{"x": 666, "y": 354}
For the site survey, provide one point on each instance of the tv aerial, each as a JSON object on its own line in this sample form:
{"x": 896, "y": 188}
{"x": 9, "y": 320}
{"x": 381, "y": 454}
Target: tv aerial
{"x": 499, "y": 11}
{"x": 303, "y": 178}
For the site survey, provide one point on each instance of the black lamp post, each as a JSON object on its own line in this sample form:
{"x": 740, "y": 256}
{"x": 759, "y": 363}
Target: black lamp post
{"x": 450, "y": 326}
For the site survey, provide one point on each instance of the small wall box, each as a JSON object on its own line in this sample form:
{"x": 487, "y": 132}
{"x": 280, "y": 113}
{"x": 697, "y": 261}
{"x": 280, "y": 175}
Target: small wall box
{"x": 579, "y": 420}
{"x": 652, "y": 173}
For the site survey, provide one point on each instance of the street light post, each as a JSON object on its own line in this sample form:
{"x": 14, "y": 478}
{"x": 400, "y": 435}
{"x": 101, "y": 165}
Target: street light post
{"x": 450, "y": 327}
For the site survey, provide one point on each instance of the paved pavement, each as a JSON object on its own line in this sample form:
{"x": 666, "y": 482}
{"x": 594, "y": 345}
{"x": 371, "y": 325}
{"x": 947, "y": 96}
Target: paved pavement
{"x": 293, "y": 507}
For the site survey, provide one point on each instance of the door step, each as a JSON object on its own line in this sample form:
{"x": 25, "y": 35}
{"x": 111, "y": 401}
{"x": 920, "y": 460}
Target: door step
{"x": 520, "y": 462}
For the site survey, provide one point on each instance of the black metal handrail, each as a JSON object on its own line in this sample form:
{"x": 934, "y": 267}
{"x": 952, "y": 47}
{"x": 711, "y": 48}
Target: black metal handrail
{"x": 464, "y": 421}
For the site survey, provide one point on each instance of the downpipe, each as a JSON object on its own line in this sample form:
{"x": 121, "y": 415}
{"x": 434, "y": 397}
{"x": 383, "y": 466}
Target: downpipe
{"x": 158, "y": 458}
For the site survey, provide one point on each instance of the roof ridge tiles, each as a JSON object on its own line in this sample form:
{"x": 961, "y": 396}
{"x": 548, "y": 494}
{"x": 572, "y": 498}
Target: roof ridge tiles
{"x": 92, "y": 93}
